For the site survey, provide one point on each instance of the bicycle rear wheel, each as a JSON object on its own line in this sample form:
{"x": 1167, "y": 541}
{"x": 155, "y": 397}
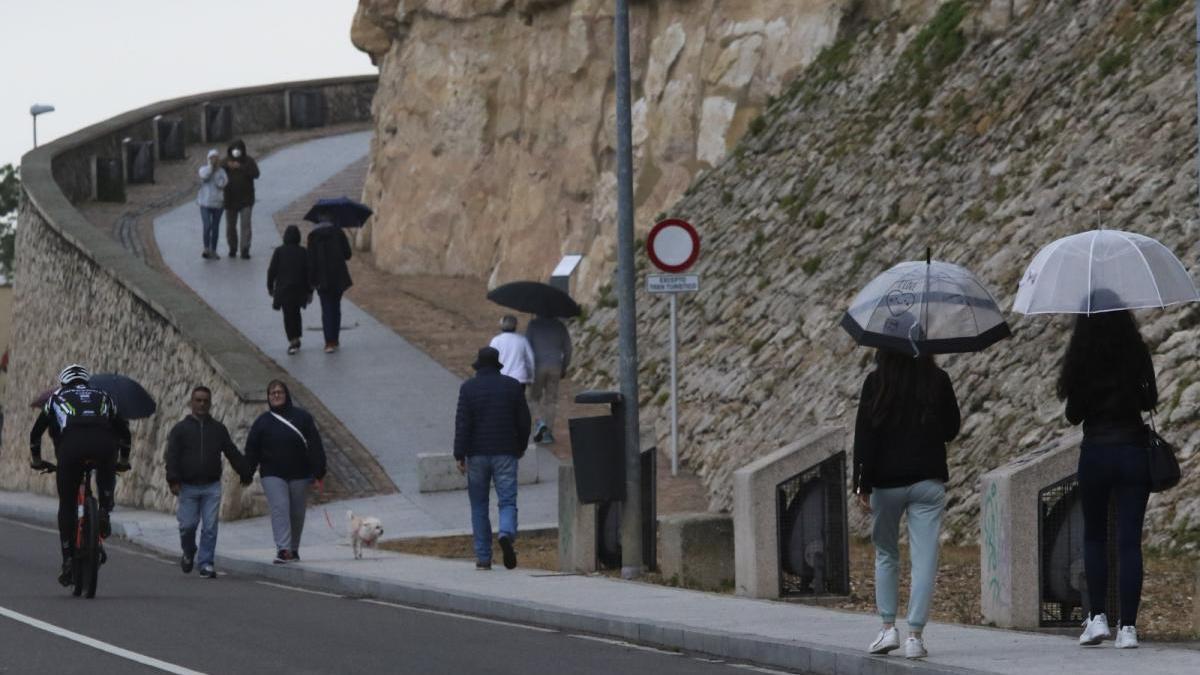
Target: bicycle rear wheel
{"x": 89, "y": 553}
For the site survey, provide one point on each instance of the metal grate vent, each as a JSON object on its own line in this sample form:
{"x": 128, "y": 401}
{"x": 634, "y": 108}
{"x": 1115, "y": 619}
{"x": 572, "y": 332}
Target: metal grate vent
{"x": 170, "y": 138}
{"x": 813, "y": 540}
{"x": 139, "y": 162}
{"x": 1063, "y": 582}
{"x": 218, "y": 122}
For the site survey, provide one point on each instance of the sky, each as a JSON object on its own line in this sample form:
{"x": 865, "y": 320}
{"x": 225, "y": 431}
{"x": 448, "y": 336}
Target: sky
{"x": 94, "y": 59}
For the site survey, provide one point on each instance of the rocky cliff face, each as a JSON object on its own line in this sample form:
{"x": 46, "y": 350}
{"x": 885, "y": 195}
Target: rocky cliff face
{"x": 494, "y": 151}
{"x": 981, "y": 137}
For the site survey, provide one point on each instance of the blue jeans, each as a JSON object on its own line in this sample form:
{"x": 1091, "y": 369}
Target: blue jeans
{"x": 482, "y": 471}
{"x": 212, "y": 224}
{"x": 199, "y": 503}
{"x": 924, "y": 501}
{"x": 1119, "y": 472}
{"x": 331, "y": 315}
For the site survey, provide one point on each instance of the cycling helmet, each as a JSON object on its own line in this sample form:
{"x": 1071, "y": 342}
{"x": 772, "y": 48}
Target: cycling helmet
{"x": 74, "y": 373}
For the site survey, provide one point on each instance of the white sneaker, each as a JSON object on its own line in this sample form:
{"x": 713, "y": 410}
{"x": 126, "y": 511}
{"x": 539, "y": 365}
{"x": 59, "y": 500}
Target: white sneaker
{"x": 914, "y": 648}
{"x": 1127, "y": 637}
{"x": 1095, "y": 631}
{"x": 889, "y": 639}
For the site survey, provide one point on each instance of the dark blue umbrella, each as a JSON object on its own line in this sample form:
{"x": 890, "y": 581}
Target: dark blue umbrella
{"x": 341, "y": 211}
{"x": 133, "y": 401}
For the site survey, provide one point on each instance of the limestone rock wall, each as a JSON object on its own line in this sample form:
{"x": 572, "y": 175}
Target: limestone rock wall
{"x": 494, "y": 148}
{"x": 985, "y": 133}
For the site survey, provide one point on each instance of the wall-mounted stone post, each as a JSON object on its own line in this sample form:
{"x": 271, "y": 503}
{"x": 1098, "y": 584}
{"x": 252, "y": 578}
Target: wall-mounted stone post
{"x": 304, "y": 108}
{"x": 756, "y": 512}
{"x": 697, "y": 549}
{"x": 576, "y": 526}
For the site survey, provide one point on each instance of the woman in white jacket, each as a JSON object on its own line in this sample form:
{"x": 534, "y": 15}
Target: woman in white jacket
{"x": 212, "y": 201}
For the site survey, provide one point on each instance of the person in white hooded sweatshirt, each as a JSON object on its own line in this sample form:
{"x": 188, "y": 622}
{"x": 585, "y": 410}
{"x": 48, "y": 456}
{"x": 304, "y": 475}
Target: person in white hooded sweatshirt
{"x": 211, "y": 199}
{"x": 516, "y": 356}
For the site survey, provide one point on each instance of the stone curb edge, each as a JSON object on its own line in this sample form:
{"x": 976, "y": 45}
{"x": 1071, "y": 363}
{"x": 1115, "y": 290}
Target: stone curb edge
{"x": 799, "y": 656}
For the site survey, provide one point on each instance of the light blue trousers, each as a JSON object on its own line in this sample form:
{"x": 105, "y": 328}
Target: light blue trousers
{"x": 924, "y": 502}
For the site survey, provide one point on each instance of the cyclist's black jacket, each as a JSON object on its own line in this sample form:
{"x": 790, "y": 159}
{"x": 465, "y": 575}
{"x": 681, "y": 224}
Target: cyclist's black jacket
{"x": 80, "y": 414}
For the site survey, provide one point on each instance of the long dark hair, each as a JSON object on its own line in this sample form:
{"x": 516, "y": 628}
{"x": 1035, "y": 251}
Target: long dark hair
{"x": 906, "y": 388}
{"x": 1107, "y": 353}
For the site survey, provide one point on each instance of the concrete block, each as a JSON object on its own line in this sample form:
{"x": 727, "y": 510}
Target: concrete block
{"x": 438, "y": 472}
{"x": 755, "y": 520}
{"x": 576, "y": 526}
{"x": 1009, "y": 549}
{"x": 697, "y": 549}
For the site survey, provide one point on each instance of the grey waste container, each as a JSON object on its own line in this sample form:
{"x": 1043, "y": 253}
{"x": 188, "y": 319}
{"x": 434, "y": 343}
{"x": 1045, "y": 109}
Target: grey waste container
{"x": 598, "y": 450}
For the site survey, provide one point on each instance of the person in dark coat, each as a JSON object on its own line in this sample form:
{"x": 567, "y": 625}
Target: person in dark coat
{"x": 241, "y": 171}
{"x": 491, "y": 431}
{"x": 287, "y": 282}
{"x": 194, "y": 448}
{"x": 285, "y": 447}
{"x": 328, "y": 251}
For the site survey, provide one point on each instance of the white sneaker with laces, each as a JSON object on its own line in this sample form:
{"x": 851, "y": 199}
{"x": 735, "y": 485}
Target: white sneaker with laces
{"x": 889, "y": 639}
{"x": 1127, "y": 637}
{"x": 914, "y": 648}
{"x": 1095, "y": 631}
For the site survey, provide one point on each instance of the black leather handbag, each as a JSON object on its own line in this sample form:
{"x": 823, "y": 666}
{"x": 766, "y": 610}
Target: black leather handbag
{"x": 1164, "y": 467}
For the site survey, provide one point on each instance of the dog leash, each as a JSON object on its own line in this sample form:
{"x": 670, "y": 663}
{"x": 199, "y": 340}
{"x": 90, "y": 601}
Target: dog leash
{"x": 325, "y": 509}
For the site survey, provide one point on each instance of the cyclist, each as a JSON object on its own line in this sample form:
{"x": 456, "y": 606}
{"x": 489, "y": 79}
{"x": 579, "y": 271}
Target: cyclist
{"x": 84, "y": 425}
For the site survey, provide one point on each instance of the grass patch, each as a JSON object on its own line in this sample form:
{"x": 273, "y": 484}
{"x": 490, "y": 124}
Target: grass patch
{"x": 819, "y": 219}
{"x": 1113, "y": 61}
{"x": 976, "y": 214}
{"x": 811, "y": 265}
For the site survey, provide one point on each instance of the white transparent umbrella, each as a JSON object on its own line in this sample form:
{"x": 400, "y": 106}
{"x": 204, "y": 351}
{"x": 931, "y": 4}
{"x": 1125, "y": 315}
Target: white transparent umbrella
{"x": 925, "y": 307}
{"x": 1103, "y": 271}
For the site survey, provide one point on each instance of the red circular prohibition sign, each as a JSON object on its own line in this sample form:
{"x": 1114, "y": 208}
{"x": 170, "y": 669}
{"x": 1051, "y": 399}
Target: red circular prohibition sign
{"x": 666, "y": 266}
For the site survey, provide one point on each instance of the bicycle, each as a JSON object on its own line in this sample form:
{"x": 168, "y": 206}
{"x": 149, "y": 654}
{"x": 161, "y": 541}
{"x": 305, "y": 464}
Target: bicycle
{"x": 89, "y": 545}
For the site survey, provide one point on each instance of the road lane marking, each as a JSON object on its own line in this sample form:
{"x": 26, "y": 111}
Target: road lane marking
{"x": 29, "y": 526}
{"x": 759, "y": 669}
{"x": 629, "y": 645}
{"x": 108, "y": 542}
{"x": 466, "y": 617}
{"x": 299, "y": 590}
{"x": 96, "y": 644}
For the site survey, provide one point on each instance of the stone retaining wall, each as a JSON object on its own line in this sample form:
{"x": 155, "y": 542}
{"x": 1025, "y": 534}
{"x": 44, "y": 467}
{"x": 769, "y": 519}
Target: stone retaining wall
{"x": 80, "y": 296}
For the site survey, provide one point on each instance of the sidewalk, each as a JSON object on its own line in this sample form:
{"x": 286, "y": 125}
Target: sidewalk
{"x": 796, "y": 637}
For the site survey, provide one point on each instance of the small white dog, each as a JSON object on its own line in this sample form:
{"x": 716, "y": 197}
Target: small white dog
{"x": 364, "y": 531}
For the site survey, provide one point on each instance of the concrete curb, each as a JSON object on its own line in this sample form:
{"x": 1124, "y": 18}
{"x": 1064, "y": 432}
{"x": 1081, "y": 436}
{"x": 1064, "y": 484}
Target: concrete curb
{"x": 793, "y": 655}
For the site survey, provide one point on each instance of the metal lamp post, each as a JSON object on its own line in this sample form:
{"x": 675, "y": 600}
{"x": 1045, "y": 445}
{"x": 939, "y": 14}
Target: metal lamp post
{"x": 35, "y": 110}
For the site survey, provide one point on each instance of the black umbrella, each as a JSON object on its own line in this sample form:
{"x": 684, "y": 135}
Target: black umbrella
{"x": 534, "y": 297}
{"x": 133, "y": 401}
{"x": 341, "y": 211}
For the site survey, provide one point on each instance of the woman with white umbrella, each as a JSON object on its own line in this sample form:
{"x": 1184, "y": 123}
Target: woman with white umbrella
{"x": 1107, "y": 380}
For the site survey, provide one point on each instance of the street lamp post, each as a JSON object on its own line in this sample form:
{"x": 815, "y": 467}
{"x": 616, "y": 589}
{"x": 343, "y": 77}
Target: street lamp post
{"x": 35, "y": 110}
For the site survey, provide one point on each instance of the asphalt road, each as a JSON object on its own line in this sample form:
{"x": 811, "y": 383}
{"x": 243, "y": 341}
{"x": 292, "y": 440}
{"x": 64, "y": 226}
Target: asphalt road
{"x": 148, "y": 617}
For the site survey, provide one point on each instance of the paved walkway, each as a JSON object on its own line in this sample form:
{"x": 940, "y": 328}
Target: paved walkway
{"x": 792, "y": 636}
{"x": 396, "y": 400}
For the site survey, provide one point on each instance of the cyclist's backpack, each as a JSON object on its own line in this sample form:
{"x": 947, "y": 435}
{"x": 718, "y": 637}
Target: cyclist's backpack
{"x": 80, "y": 406}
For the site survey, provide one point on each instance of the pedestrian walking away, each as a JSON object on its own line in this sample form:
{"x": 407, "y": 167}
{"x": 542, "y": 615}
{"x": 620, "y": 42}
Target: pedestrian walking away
{"x": 211, "y": 199}
{"x": 328, "y": 251}
{"x": 85, "y": 426}
{"x": 285, "y": 447}
{"x": 907, "y": 412}
{"x": 491, "y": 430}
{"x": 515, "y": 352}
{"x": 194, "y": 449}
{"x": 1107, "y": 380}
{"x": 242, "y": 171}
{"x": 288, "y": 284}
{"x": 551, "y": 345}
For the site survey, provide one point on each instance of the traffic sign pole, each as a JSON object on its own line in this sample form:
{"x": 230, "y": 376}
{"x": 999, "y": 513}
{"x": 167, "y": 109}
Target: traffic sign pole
{"x": 674, "y": 395}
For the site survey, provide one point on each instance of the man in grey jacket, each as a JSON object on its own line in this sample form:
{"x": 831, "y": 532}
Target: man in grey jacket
{"x": 194, "y": 448}
{"x": 551, "y": 345}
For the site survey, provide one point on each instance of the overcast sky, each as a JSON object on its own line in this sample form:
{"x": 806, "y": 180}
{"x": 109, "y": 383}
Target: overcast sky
{"x": 92, "y": 60}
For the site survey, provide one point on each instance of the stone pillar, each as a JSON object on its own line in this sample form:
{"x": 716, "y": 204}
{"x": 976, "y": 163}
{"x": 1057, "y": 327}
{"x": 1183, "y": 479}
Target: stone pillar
{"x": 697, "y": 550}
{"x": 755, "y": 513}
{"x": 576, "y": 526}
{"x": 1009, "y": 549}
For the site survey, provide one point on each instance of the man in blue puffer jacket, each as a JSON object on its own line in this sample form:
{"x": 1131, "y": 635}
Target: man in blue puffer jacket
{"x": 491, "y": 431}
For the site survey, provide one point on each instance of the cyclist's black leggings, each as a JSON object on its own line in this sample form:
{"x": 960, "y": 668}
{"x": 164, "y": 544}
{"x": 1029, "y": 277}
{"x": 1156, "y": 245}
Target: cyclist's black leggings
{"x": 71, "y": 455}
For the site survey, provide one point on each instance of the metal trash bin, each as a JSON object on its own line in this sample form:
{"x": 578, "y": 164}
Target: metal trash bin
{"x": 598, "y": 450}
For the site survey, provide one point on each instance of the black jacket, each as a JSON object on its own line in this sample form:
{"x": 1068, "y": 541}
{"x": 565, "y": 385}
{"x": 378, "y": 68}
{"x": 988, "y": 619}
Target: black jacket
{"x": 287, "y": 275}
{"x": 275, "y": 449}
{"x": 239, "y": 191}
{"x": 492, "y": 416}
{"x": 1111, "y": 409}
{"x": 194, "y": 449}
{"x": 80, "y": 415}
{"x": 328, "y": 251}
{"x": 903, "y": 452}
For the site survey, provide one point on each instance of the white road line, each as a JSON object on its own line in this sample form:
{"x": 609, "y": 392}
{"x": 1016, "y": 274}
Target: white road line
{"x": 28, "y": 526}
{"x": 629, "y": 645}
{"x": 299, "y": 590}
{"x": 96, "y": 644}
{"x": 109, "y": 546}
{"x": 467, "y": 617}
{"x": 759, "y": 669}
